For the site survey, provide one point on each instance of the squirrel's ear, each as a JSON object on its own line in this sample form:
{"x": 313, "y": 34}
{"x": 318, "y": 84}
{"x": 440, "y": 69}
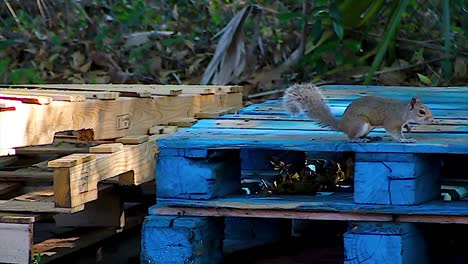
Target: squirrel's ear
{"x": 413, "y": 102}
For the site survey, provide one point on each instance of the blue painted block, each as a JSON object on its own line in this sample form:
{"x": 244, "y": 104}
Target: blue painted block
{"x": 396, "y": 179}
{"x": 384, "y": 243}
{"x": 181, "y": 240}
{"x": 198, "y": 178}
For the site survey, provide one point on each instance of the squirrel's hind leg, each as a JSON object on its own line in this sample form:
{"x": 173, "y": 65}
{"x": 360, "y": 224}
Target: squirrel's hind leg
{"x": 357, "y": 130}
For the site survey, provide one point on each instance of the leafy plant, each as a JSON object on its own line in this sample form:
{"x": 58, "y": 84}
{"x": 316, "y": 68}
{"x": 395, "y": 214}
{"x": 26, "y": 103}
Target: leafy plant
{"x": 37, "y": 258}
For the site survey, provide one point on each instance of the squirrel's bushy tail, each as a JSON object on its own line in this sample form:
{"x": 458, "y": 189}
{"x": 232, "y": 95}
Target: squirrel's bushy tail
{"x": 308, "y": 99}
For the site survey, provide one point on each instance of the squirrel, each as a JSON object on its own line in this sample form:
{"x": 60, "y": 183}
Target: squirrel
{"x": 361, "y": 116}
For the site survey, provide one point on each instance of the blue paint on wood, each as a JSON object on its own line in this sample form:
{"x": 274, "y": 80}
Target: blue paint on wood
{"x": 384, "y": 243}
{"x": 196, "y": 178}
{"x": 396, "y": 182}
{"x": 339, "y": 110}
{"x": 309, "y": 141}
{"x": 309, "y": 126}
{"x": 181, "y": 240}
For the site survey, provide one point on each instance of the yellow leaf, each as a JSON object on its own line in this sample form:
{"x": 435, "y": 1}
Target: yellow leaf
{"x": 295, "y": 176}
{"x": 424, "y": 79}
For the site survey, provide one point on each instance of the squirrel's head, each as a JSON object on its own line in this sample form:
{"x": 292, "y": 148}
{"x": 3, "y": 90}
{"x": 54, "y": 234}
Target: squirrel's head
{"x": 419, "y": 112}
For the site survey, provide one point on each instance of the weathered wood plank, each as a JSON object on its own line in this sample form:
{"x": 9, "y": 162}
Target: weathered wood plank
{"x": 5, "y": 188}
{"x": 133, "y": 139}
{"x": 265, "y": 213}
{"x": 309, "y": 141}
{"x": 338, "y": 111}
{"x": 27, "y": 176}
{"x": 105, "y": 148}
{"x": 57, "y": 91}
{"x": 441, "y": 122}
{"x": 56, "y": 96}
{"x": 19, "y": 218}
{"x": 311, "y": 126}
{"x": 15, "y": 242}
{"x": 122, "y": 89}
{"x": 71, "y": 160}
{"x": 338, "y": 202}
{"x": 27, "y": 99}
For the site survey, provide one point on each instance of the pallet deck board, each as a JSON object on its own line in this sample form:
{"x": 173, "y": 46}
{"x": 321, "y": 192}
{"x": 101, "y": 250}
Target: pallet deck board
{"x": 326, "y": 141}
{"x": 309, "y": 126}
{"x": 337, "y": 202}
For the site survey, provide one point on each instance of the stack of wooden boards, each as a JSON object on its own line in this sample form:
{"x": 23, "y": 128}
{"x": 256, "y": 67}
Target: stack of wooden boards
{"x": 71, "y": 178}
{"x": 396, "y": 185}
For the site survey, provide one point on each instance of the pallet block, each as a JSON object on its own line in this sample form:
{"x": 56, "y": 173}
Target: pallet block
{"x": 197, "y": 174}
{"x": 76, "y": 176}
{"x": 384, "y": 243}
{"x": 396, "y": 178}
{"x": 174, "y": 240}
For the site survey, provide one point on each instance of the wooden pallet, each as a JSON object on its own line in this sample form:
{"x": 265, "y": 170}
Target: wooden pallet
{"x": 396, "y": 185}
{"x": 76, "y": 190}
{"x": 33, "y": 114}
{"x": 49, "y": 237}
{"x": 74, "y": 178}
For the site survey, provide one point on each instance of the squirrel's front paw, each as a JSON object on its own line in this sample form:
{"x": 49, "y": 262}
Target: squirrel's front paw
{"x": 407, "y": 140}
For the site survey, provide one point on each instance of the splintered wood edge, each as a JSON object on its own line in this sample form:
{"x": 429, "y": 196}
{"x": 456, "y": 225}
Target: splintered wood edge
{"x": 55, "y": 95}
{"x": 106, "y": 148}
{"x": 133, "y": 139}
{"x": 163, "y": 129}
{"x": 71, "y": 160}
{"x": 42, "y": 100}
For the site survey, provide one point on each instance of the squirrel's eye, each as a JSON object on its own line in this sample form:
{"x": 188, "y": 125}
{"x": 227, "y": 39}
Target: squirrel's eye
{"x": 422, "y": 112}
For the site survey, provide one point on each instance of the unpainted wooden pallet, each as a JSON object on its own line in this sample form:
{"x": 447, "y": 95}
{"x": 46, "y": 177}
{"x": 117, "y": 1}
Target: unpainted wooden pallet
{"x": 19, "y": 243}
{"x": 33, "y": 114}
{"x": 27, "y": 197}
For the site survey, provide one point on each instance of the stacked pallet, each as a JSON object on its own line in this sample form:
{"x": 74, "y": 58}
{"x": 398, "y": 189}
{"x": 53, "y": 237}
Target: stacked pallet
{"x": 396, "y": 185}
{"x": 69, "y": 152}
{"x": 32, "y": 115}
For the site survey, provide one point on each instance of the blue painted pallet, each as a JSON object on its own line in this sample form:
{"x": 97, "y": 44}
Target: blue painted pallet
{"x": 199, "y": 168}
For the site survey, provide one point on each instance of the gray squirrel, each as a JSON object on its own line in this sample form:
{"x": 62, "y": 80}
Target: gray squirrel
{"x": 361, "y": 116}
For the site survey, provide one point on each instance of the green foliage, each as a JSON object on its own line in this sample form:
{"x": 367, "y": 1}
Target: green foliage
{"x": 37, "y": 259}
{"x": 27, "y": 75}
{"x": 342, "y": 38}
{"x": 390, "y": 31}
